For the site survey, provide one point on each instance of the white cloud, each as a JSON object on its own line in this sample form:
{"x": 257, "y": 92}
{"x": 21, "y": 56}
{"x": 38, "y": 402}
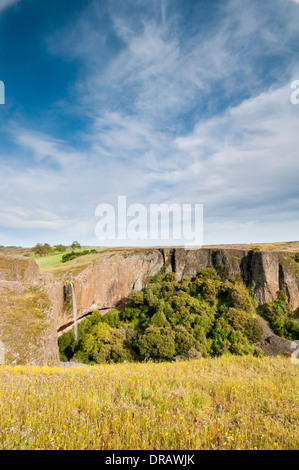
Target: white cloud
{"x": 240, "y": 160}
{"x": 43, "y": 147}
{"x": 4, "y": 4}
{"x": 242, "y": 165}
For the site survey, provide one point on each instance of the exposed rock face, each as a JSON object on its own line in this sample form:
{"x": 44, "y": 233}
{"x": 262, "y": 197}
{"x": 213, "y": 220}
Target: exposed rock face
{"x": 18, "y": 269}
{"x": 271, "y": 344}
{"x": 28, "y": 313}
{"x": 289, "y": 282}
{"x": 106, "y": 283}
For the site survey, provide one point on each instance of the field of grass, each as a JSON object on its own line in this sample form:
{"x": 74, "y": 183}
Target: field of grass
{"x": 275, "y": 246}
{"x": 224, "y": 403}
{"x": 54, "y": 260}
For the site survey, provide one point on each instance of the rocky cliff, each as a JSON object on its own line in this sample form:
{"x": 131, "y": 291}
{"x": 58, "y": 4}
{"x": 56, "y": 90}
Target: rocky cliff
{"x": 106, "y": 283}
{"x": 28, "y": 313}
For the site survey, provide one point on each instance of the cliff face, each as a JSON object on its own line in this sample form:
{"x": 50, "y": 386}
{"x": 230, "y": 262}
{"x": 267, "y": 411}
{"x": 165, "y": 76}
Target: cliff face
{"x": 33, "y": 306}
{"x": 28, "y": 313}
{"x": 266, "y": 272}
{"x": 107, "y": 282}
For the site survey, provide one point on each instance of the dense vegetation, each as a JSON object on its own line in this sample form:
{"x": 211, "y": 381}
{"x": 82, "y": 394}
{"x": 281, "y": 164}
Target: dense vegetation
{"x": 169, "y": 320}
{"x": 279, "y": 317}
{"x": 45, "y": 249}
{"x": 76, "y": 254}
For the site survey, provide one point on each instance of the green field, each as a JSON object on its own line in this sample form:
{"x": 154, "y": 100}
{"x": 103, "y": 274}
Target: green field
{"x": 54, "y": 260}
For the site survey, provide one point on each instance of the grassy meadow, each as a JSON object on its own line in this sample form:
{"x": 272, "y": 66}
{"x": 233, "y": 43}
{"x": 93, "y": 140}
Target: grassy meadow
{"x": 53, "y": 260}
{"x": 216, "y": 403}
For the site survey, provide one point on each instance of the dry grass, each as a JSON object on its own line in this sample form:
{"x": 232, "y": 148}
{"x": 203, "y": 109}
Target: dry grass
{"x": 225, "y": 403}
{"x": 275, "y": 246}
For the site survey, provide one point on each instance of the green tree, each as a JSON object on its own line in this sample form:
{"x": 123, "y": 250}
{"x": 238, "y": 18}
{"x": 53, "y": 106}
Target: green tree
{"x": 159, "y": 319}
{"x": 60, "y": 248}
{"x": 42, "y": 249}
{"x": 106, "y": 345}
{"x": 242, "y": 321}
{"x": 75, "y": 246}
{"x": 184, "y": 341}
{"x": 237, "y": 296}
{"x": 157, "y": 343}
{"x": 239, "y": 344}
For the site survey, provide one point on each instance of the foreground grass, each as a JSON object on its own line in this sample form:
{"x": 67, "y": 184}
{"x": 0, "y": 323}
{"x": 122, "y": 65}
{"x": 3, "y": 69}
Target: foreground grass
{"x": 225, "y": 403}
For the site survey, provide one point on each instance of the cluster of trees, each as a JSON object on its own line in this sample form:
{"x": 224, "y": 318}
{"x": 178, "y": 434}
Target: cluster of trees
{"x": 204, "y": 316}
{"x": 44, "y": 249}
{"x": 280, "y": 319}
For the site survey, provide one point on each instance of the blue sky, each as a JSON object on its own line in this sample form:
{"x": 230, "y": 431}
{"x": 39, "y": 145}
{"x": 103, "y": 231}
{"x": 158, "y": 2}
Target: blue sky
{"x": 164, "y": 101}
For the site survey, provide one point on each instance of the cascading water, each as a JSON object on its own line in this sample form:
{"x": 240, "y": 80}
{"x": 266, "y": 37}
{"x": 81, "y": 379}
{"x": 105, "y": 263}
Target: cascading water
{"x": 74, "y": 308}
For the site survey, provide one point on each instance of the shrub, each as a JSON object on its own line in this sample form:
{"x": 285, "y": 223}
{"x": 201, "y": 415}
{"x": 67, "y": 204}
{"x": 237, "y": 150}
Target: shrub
{"x": 209, "y": 273}
{"x": 184, "y": 341}
{"x": 42, "y": 249}
{"x": 157, "y": 343}
{"x": 112, "y": 318}
{"x": 106, "y": 345}
{"x": 76, "y": 254}
{"x": 277, "y": 314}
{"x": 239, "y": 344}
{"x": 237, "y": 296}
{"x": 296, "y": 257}
{"x": 136, "y": 298}
{"x": 159, "y": 319}
{"x": 210, "y": 290}
{"x": 241, "y": 321}
{"x": 60, "y": 248}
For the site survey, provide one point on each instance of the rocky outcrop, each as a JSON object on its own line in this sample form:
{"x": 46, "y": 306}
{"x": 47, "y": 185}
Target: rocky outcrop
{"x": 271, "y": 344}
{"x": 266, "y": 272}
{"x": 18, "y": 269}
{"x": 28, "y": 313}
{"x": 44, "y": 309}
{"x": 107, "y": 282}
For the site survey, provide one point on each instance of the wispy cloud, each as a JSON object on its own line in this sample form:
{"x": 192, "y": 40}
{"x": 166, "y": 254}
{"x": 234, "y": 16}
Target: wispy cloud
{"x": 4, "y": 4}
{"x": 174, "y": 110}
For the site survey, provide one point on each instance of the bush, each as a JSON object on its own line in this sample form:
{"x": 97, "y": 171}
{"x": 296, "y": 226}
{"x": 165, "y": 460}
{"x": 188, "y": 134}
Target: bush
{"x": 158, "y": 320}
{"x": 106, "y": 345}
{"x": 184, "y": 341}
{"x": 60, "y": 248}
{"x": 278, "y": 315}
{"x": 157, "y": 344}
{"x": 237, "y": 296}
{"x": 76, "y": 254}
{"x": 136, "y": 298}
{"x": 241, "y": 321}
{"x": 296, "y": 257}
{"x": 210, "y": 290}
{"x": 239, "y": 344}
{"x": 42, "y": 250}
{"x": 112, "y": 318}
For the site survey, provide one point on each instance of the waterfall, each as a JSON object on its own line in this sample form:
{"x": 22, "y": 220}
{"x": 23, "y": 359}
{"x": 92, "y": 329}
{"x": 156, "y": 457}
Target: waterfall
{"x": 74, "y": 309}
